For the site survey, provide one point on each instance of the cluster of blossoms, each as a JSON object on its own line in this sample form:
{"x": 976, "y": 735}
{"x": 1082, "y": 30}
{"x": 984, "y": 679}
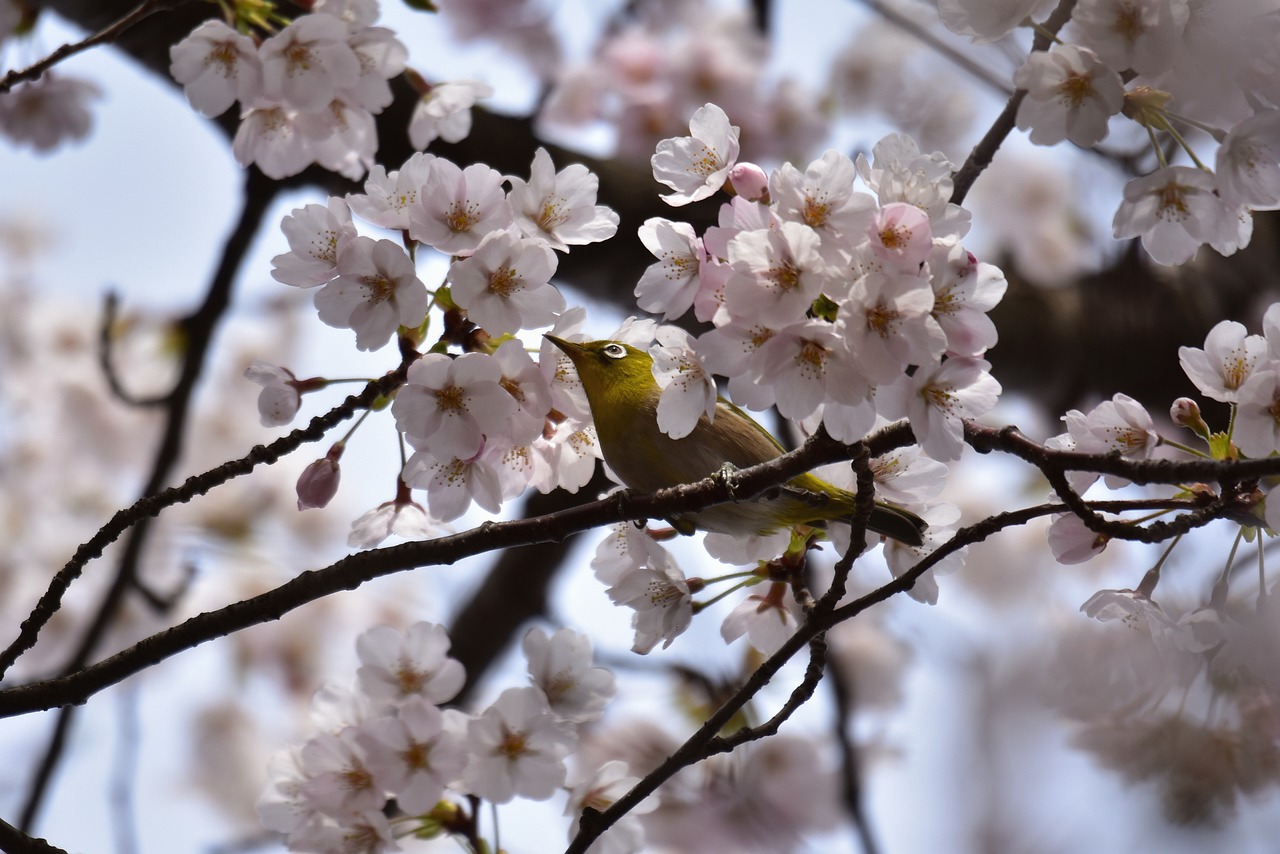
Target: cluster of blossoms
{"x": 821, "y": 299}
{"x": 308, "y": 93}
{"x": 1233, "y": 367}
{"x": 478, "y": 423}
{"x": 1173, "y": 66}
{"x": 388, "y": 762}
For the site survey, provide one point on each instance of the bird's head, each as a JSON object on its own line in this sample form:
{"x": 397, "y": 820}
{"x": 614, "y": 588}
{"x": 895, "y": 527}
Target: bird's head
{"x": 615, "y": 376}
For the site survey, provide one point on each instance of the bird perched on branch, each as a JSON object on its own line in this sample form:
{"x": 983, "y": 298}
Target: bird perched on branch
{"x": 623, "y": 395}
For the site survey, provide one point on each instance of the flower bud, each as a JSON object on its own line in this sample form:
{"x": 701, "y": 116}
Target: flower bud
{"x": 318, "y": 482}
{"x": 750, "y": 182}
{"x": 1185, "y": 412}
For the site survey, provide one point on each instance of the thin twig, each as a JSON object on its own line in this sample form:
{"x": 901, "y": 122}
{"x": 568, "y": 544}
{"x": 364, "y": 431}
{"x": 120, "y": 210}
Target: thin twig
{"x": 108, "y": 34}
{"x": 985, "y": 151}
{"x": 106, "y": 347}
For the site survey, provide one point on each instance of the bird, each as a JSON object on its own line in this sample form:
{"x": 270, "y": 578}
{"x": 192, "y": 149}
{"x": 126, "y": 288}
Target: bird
{"x": 623, "y": 396}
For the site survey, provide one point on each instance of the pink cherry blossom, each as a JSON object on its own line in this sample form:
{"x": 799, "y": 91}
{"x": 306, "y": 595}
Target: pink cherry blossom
{"x": 457, "y": 208}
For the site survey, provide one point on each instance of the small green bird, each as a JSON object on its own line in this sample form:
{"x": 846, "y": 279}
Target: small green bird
{"x": 623, "y": 396}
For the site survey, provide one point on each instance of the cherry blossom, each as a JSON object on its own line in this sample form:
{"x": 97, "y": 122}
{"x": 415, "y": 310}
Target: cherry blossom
{"x": 570, "y": 454}
{"x": 524, "y": 381}
{"x": 688, "y": 389}
{"x": 505, "y": 285}
{"x": 345, "y": 139}
{"x": 338, "y": 781}
{"x": 987, "y": 20}
{"x": 280, "y": 397}
{"x": 411, "y": 755}
{"x": 517, "y": 747}
{"x": 448, "y": 405}
{"x": 1248, "y": 163}
{"x": 889, "y": 325}
{"x": 308, "y": 63}
{"x": 1072, "y": 542}
{"x": 398, "y": 666}
{"x": 1229, "y": 356}
{"x": 1175, "y": 210}
{"x": 765, "y": 620}
{"x": 47, "y": 111}
{"x": 901, "y": 235}
{"x": 401, "y": 517}
{"x": 377, "y": 290}
{"x": 668, "y": 287}
{"x": 936, "y": 399}
{"x": 389, "y": 198}
{"x": 1141, "y": 35}
{"x": 271, "y": 138}
{"x": 964, "y": 290}
{"x": 697, "y": 165}
{"x": 445, "y": 112}
{"x": 1257, "y": 427}
{"x": 452, "y": 484}
{"x": 807, "y": 363}
{"x": 659, "y": 594}
{"x": 599, "y": 791}
{"x": 560, "y": 665}
{"x": 777, "y": 273}
{"x": 217, "y": 67}
{"x": 560, "y": 207}
{"x": 1070, "y": 95}
{"x": 316, "y": 235}
{"x": 381, "y": 56}
{"x": 822, "y": 198}
{"x": 457, "y": 208}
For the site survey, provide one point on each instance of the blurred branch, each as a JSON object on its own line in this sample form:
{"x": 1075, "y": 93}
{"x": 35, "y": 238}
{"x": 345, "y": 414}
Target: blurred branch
{"x": 922, "y": 34}
{"x": 842, "y": 689}
{"x": 106, "y": 341}
{"x": 199, "y": 329}
{"x": 106, "y": 35}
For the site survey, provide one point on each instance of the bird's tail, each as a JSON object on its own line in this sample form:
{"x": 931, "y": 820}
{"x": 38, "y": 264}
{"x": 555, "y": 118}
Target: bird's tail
{"x": 898, "y": 524}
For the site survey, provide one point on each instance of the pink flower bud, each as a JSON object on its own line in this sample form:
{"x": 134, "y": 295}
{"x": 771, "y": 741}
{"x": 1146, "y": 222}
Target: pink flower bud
{"x": 750, "y": 182}
{"x": 318, "y": 483}
{"x": 1185, "y": 412}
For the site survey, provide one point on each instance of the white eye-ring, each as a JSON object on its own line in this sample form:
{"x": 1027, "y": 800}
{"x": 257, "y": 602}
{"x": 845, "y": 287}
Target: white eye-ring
{"x": 614, "y": 351}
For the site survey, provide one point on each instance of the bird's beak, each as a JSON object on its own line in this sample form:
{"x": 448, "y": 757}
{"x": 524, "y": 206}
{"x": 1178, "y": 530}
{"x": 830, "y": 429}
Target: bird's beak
{"x": 570, "y": 349}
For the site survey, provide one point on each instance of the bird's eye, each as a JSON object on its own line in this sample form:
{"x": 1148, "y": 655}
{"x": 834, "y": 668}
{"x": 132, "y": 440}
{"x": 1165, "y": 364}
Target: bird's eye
{"x": 614, "y": 351}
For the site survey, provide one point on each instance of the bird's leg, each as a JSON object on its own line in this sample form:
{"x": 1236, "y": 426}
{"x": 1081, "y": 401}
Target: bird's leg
{"x": 724, "y": 477}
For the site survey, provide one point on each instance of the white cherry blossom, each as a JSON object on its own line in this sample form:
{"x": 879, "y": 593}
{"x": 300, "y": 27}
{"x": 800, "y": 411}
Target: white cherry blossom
{"x": 964, "y": 290}
{"x": 889, "y": 325}
{"x": 452, "y": 484}
{"x": 766, "y": 620}
{"x": 517, "y": 748}
{"x": 669, "y": 286}
{"x": 377, "y": 290}
{"x": 777, "y": 273}
{"x": 448, "y": 405}
{"x": 688, "y": 389}
{"x": 505, "y": 285}
{"x": 1070, "y": 95}
{"x": 1229, "y": 356}
{"x": 389, "y": 198}
{"x": 457, "y": 208}
{"x": 396, "y": 666}
{"x": 271, "y": 137}
{"x": 937, "y": 398}
{"x": 308, "y": 63}
{"x": 1141, "y": 35}
{"x": 1257, "y": 427}
{"x": 411, "y": 755}
{"x": 561, "y": 666}
{"x": 560, "y": 207}
{"x": 1248, "y": 163}
{"x": 216, "y": 66}
{"x": 280, "y": 397}
{"x": 1176, "y": 210}
{"x": 696, "y": 166}
{"x": 316, "y": 235}
{"x": 659, "y": 594}
{"x": 822, "y": 197}
{"x": 445, "y": 112}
